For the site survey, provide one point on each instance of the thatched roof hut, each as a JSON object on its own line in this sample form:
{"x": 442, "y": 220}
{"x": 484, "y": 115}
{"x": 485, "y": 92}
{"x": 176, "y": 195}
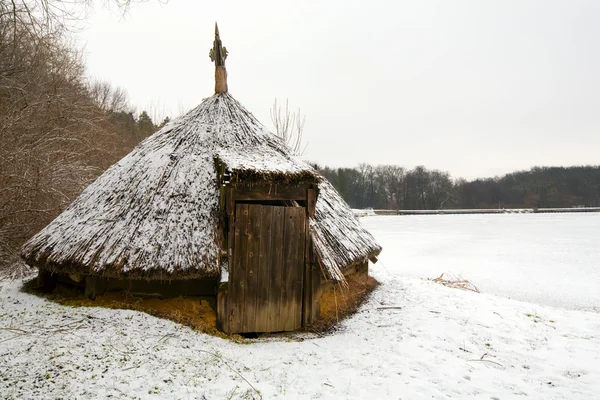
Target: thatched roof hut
{"x": 169, "y": 209}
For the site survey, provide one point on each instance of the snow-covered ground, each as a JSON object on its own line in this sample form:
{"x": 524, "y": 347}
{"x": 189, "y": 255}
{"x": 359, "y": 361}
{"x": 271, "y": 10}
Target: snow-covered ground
{"x": 437, "y": 343}
{"x": 550, "y": 259}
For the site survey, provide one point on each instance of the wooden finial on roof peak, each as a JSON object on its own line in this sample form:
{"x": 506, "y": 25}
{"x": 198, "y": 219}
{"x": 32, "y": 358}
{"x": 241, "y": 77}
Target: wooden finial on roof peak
{"x": 218, "y": 54}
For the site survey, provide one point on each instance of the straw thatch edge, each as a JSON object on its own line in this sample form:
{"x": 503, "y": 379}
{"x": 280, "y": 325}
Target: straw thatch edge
{"x": 157, "y": 274}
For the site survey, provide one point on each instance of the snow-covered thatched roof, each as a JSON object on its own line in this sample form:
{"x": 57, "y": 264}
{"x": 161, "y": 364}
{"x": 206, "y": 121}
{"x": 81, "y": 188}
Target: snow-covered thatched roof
{"x": 155, "y": 213}
{"x": 338, "y": 237}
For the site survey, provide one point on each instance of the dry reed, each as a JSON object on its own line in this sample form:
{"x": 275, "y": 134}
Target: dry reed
{"x": 456, "y": 282}
{"x": 340, "y": 302}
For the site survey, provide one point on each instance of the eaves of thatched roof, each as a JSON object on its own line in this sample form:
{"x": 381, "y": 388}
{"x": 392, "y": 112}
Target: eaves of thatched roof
{"x": 154, "y": 214}
{"x": 338, "y": 236}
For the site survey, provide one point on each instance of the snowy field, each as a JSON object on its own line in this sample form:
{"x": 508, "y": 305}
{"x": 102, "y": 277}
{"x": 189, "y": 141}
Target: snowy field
{"x": 413, "y": 339}
{"x": 549, "y": 259}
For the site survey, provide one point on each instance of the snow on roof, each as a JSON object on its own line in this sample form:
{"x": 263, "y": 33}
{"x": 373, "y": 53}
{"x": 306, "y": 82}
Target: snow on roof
{"x": 154, "y": 214}
{"x": 265, "y": 163}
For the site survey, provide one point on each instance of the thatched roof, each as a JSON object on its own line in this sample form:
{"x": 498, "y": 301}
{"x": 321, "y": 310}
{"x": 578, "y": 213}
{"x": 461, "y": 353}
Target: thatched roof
{"x": 339, "y": 238}
{"x": 155, "y": 214}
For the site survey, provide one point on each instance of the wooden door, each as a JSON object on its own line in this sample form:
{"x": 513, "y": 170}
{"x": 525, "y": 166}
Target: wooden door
{"x": 266, "y": 278}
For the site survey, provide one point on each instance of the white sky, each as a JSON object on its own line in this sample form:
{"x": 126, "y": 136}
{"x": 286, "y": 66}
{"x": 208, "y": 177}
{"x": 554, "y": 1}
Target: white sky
{"x": 476, "y": 88}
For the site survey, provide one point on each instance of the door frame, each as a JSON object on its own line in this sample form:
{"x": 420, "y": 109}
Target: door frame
{"x": 307, "y": 194}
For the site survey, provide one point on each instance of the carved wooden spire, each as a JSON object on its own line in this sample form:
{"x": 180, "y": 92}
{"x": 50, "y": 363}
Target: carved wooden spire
{"x": 218, "y": 54}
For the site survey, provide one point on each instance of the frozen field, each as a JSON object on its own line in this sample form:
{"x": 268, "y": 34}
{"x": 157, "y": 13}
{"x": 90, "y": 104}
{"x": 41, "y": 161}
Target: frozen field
{"x": 412, "y": 339}
{"x": 551, "y": 259}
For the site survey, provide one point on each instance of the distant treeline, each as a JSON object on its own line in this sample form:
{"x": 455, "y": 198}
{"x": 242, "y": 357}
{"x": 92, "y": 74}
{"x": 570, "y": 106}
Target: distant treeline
{"x": 393, "y": 187}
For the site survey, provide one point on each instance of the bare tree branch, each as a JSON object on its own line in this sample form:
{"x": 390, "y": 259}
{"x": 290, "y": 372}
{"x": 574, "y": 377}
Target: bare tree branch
{"x": 289, "y": 126}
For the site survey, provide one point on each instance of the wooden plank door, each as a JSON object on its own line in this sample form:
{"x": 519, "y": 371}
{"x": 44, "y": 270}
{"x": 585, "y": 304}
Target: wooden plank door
{"x": 266, "y": 277}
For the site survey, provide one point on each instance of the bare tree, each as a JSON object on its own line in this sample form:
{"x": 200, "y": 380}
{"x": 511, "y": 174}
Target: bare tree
{"x": 55, "y": 15}
{"x": 289, "y": 126}
{"x": 390, "y": 179}
{"x": 55, "y": 136}
{"x": 157, "y": 110}
{"x": 108, "y": 98}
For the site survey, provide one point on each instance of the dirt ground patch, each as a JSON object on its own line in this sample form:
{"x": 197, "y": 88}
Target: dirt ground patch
{"x": 198, "y": 313}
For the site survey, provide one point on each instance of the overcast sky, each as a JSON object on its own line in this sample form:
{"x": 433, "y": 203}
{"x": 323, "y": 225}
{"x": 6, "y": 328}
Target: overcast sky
{"x": 475, "y": 88}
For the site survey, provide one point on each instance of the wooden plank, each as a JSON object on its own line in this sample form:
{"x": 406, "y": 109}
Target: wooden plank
{"x": 307, "y": 294}
{"x": 90, "y": 287}
{"x": 242, "y": 263}
{"x": 233, "y": 280}
{"x": 288, "y": 253}
{"x": 252, "y": 263}
{"x": 276, "y": 263}
{"x": 269, "y": 192}
{"x": 230, "y": 202}
{"x": 222, "y": 321}
{"x": 316, "y": 285}
{"x": 265, "y": 254}
{"x": 293, "y": 248}
{"x": 308, "y": 289}
{"x": 226, "y": 310}
{"x": 238, "y": 270}
{"x": 311, "y": 202}
{"x": 300, "y": 266}
{"x": 231, "y": 220}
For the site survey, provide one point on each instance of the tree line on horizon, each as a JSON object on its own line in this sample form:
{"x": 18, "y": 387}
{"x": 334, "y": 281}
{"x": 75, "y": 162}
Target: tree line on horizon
{"x": 392, "y": 187}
